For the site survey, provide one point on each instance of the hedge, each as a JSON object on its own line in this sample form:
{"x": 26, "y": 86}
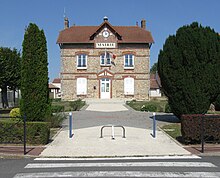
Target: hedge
{"x": 13, "y": 132}
{"x": 191, "y": 126}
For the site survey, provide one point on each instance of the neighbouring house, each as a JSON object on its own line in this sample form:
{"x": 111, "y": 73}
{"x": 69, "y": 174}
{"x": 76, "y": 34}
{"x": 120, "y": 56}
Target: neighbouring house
{"x": 155, "y": 86}
{"x": 55, "y": 88}
{"x": 105, "y": 61}
{"x": 13, "y": 97}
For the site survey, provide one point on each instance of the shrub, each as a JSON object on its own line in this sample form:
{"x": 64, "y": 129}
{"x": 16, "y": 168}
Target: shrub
{"x": 15, "y": 112}
{"x": 57, "y": 108}
{"x": 56, "y": 120}
{"x": 76, "y": 105}
{"x": 191, "y": 128}
{"x": 13, "y": 132}
{"x": 149, "y": 107}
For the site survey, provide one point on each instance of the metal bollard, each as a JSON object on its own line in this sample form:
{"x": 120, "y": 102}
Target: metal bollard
{"x": 113, "y": 132}
{"x": 154, "y": 125}
{"x": 70, "y": 125}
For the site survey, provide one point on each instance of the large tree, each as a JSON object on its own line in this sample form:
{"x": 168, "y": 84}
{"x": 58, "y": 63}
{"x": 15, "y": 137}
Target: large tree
{"x": 35, "y": 102}
{"x": 9, "y": 72}
{"x": 153, "y": 68}
{"x": 188, "y": 67}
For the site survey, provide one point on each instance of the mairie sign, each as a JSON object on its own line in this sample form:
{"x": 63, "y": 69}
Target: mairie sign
{"x": 105, "y": 45}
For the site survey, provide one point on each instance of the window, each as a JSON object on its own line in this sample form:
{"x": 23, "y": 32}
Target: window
{"x": 105, "y": 59}
{"x": 81, "y": 61}
{"x": 129, "y": 86}
{"x": 129, "y": 61}
{"x": 81, "y": 86}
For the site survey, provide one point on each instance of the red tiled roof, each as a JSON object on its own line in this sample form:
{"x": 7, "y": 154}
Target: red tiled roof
{"x": 83, "y": 34}
{"x": 51, "y": 86}
{"x": 57, "y": 80}
{"x": 154, "y": 81}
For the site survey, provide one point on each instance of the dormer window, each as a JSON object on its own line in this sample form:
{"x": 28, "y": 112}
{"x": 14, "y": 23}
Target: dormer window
{"x": 81, "y": 61}
{"x": 105, "y": 59}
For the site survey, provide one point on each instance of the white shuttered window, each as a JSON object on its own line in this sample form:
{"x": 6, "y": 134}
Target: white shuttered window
{"x": 129, "y": 86}
{"x": 81, "y": 86}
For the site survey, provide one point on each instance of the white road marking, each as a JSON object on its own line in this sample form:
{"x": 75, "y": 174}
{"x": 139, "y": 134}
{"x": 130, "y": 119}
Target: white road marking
{"x": 118, "y": 158}
{"x": 121, "y": 164}
{"x": 119, "y": 174}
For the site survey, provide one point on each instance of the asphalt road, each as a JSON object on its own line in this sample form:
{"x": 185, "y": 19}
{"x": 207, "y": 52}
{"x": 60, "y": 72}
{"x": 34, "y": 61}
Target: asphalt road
{"x": 120, "y": 167}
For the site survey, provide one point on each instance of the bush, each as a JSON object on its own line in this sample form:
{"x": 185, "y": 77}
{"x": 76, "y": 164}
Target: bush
{"x": 15, "y": 112}
{"x": 57, "y": 108}
{"x": 191, "y": 128}
{"x": 76, "y": 105}
{"x": 56, "y": 120}
{"x": 13, "y": 132}
{"x": 149, "y": 107}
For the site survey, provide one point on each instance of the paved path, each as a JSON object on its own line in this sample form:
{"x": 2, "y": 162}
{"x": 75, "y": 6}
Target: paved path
{"x": 86, "y": 141}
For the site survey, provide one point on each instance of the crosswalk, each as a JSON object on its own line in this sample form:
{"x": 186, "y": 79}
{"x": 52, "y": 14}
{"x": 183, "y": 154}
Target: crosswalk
{"x": 64, "y": 167}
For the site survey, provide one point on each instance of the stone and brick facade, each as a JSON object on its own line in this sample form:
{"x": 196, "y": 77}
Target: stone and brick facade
{"x": 105, "y": 61}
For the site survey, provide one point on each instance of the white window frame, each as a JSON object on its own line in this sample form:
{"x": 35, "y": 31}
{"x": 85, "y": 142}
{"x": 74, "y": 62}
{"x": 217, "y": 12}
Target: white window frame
{"x": 79, "y": 65}
{"x": 101, "y": 59}
{"x": 129, "y": 90}
{"x": 81, "y": 86}
{"x": 130, "y": 66}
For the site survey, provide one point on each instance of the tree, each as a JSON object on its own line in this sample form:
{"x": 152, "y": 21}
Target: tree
{"x": 188, "y": 67}
{"x": 217, "y": 103}
{"x": 9, "y": 72}
{"x": 153, "y": 69}
{"x": 35, "y": 102}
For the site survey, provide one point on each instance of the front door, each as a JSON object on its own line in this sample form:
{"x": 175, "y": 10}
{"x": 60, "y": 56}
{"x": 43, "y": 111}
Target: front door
{"x": 105, "y": 88}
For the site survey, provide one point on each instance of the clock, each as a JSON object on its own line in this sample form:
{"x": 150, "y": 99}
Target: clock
{"x": 105, "y": 34}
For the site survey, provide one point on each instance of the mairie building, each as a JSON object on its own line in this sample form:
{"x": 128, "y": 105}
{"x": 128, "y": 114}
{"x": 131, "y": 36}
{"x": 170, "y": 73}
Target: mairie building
{"x": 105, "y": 61}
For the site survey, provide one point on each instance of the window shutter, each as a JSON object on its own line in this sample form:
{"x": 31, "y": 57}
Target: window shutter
{"x": 81, "y": 86}
{"x": 129, "y": 86}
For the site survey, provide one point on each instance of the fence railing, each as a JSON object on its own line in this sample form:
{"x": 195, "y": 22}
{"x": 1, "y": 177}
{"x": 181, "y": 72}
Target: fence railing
{"x": 14, "y": 138}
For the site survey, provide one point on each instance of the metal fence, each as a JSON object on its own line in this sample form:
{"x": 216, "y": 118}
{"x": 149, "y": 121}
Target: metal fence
{"x": 14, "y": 138}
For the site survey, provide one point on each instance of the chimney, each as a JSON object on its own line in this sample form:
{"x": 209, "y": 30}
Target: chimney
{"x": 143, "y": 23}
{"x": 66, "y": 23}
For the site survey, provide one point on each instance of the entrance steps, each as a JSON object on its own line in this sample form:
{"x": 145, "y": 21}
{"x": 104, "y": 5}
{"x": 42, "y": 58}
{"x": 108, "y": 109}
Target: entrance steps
{"x": 105, "y": 101}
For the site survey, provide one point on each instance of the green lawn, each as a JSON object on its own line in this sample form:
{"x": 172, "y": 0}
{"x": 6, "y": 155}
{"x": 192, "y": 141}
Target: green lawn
{"x": 174, "y": 130}
{"x": 137, "y": 105}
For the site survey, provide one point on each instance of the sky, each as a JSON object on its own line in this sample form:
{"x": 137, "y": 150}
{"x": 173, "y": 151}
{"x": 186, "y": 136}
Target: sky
{"x": 163, "y": 18}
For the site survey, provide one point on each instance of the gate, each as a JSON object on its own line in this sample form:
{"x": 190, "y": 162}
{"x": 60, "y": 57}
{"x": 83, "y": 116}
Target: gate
{"x": 19, "y": 134}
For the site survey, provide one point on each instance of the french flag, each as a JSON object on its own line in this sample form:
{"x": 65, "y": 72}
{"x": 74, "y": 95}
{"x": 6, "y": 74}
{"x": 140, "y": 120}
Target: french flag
{"x": 113, "y": 56}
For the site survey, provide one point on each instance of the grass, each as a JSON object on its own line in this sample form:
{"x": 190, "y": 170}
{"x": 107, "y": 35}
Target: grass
{"x": 174, "y": 130}
{"x": 67, "y": 104}
{"x": 160, "y": 104}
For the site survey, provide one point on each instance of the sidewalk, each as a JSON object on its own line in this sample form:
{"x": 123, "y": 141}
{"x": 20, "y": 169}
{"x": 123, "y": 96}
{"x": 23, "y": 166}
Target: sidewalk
{"x": 86, "y": 141}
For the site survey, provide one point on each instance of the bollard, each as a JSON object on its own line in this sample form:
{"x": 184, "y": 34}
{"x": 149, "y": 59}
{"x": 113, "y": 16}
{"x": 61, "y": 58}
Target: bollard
{"x": 70, "y": 125}
{"x": 154, "y": 125}
{"x": 113, "y": 133}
